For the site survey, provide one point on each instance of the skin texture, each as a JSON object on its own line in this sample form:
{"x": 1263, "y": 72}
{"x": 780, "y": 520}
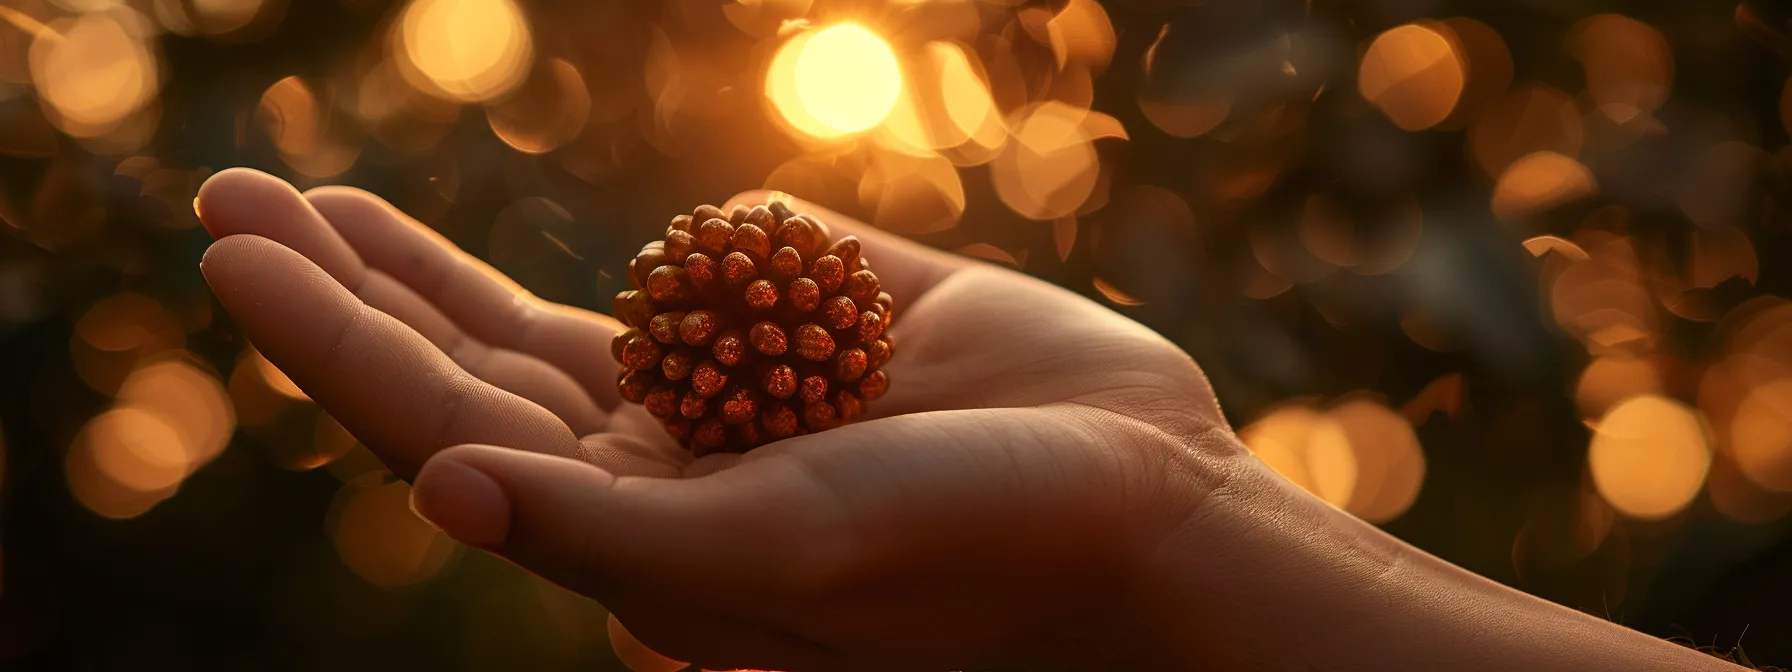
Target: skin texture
{"x": 1047, "y": 484}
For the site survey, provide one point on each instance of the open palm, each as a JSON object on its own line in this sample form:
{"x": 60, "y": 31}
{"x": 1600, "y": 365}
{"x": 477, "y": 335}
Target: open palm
{"x": 1033, "y": 451}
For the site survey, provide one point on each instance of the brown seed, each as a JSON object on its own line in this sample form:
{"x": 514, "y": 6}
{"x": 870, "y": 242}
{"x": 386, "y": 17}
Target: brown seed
{"x": 838, "y": 312}
{"x": 645, "y": 262}
{"x": 692, "y": 406}
{"x": 664, "y": 326}
{"x": 738, "y": 270}
{"x": 762, "y": 295}
{"x": 814, "y": 388}
{"x": 878, "y": 353}
{"x": 730, "y": 348}
{"x": 619, "y": 343}
{"x": 848, "y": 405}
{"x": 682, "y": 223}
{"x": 662, "y": 402}
{"x": 706, "y": 212}
{"x": 668, "y": 283}
{"x": 634, "y": 308}
{"x": 634, "y": 385}
{"x": 761, "y": 217}
{"x": 641, "y": 353}
{"x": 819, "y": 415}
{"x": 882, "y": 311}
{"x": 701, "y": 269}
{"x": 698, "y": 327}
{"x": 679, "y": 245}
{"x": 707, "y": 379}
{"x": 805, "y": 296}
{"x": 713, "y": 236}
{"x": 779, "y": 381}
{"x": 847, "y": 249}
{"x": 780, "y": 211}
{"x": 778, "y": 420}
{"x": 814, "y": 343}
{"x": 828, "y": 273}
{"x": 739, "y": 406}
{"x": 850, "y": 365}
{"x": 870, "y": 327}
{"x": 884, "y": 299}
{"x": 799, "y": 232}
{"x": 745, "y": 436}
{"x": 786, "y": 264}
{"x": 862, "y": 287}
{"x": 679, "y": 427}
{"x": 769, "y": 339}
{"x": 677, "y": 365}
{"x": 752, "y": 240}
{"x": 708, "y": 437}
{"x": 874, "y": 385}
{"x": 635, "y": 280}
{"x": 738, "y": 215}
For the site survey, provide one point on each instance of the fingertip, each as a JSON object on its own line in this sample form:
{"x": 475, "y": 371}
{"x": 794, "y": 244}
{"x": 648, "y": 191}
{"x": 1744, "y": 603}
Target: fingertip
{"x": 228, "y": 253}
{"x": 229, "y": 196}
{"x": 341, "y": 197}
{"x": 453, "y": 493}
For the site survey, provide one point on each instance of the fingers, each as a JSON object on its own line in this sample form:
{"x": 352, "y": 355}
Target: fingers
{"x": 475, "y": 296}
{"x": 905, "y": 268}
{"x": 389, "y": 386}
{"x": 718, "y": 541}
{"x": 509, "y": 370}
{"x": 246, "y": 201}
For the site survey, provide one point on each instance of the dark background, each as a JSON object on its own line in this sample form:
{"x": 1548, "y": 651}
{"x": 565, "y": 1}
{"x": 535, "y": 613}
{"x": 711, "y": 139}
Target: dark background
{"x": 1422, "y": 297}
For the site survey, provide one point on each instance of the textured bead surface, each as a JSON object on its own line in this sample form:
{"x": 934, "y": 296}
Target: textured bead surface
{"x": 750, "y": 326}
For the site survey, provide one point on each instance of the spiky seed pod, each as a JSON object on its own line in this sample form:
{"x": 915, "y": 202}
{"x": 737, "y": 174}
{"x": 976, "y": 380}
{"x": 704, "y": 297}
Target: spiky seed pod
{"x": 751, "y": 326}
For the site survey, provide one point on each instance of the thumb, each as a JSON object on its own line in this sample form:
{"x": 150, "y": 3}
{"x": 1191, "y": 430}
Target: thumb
{"x": 730, "y": 537}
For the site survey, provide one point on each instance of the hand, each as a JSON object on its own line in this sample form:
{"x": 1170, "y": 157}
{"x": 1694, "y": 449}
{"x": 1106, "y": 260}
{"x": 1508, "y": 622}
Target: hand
{"x": 1033, "y": 449}
{"x": 1046, "y": 484}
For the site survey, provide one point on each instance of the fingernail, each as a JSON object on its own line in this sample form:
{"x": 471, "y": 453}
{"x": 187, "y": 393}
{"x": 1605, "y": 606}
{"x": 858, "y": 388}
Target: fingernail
{"x": 462, "y": 502}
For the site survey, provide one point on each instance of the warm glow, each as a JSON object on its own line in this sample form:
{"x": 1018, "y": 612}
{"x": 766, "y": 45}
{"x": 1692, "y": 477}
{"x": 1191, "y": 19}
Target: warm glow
{"x": 379, "y": 537}
{"x": 1050, "y": 168}
{"x": 548, "y": 111}
{"x": 1649, "y": 457}
{"x": 1390, "y": 466}
{"x": 94, "y": 75}
{"x": 1414, "y": 75}
{"x": 1307, "y": 448}
{"x": 301, "y": 128}
{"x": 840, "y": 80}
{"x": 465, "y": 50}
{"x": 1761, "y": 436}
{"x": 1539, "y": 182}
{"x": 189, "y": 398}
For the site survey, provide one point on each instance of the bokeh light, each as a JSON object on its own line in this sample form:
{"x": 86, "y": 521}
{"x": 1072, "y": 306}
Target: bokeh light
{"x": 464, "y": 50}
{"x": 94, "y": 72}
{"x": 1414, "y": 75}
{"x": 378, "y": 536}
{"x": 835, "y": 81}
{"x": 1501, "y": 277}
{"x": 1649, "y": 457}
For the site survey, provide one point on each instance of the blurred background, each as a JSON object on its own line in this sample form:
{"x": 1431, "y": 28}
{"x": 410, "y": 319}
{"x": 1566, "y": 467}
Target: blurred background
{"x": 1506, "y": 277}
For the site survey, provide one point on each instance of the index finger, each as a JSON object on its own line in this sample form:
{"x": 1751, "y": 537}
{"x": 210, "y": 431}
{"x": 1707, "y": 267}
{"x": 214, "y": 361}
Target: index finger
{"x": 905, "y": 268}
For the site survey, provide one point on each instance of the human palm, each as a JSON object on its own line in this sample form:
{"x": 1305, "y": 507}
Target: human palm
{"x": 994, "y": 507}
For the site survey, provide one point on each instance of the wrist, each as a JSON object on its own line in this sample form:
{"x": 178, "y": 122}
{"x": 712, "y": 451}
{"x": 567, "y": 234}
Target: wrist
{"x": 1267, "y": 577}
